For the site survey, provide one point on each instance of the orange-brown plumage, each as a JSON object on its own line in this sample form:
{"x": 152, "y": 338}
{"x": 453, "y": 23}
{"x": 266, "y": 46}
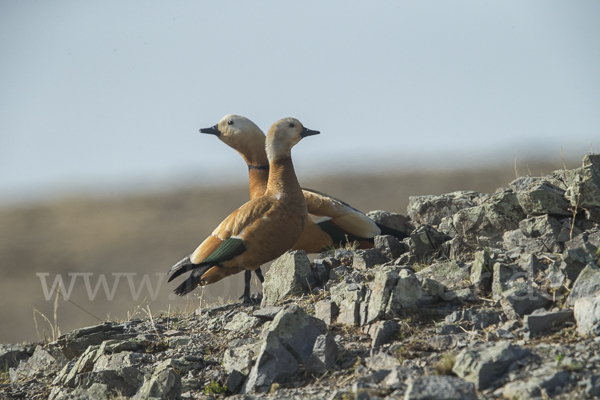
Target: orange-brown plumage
{"x": 331, "y": 222}
{"x": 262, "y": 229}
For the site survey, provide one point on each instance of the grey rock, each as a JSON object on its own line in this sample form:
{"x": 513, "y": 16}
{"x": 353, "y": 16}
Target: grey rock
{"x": 504, "y": 277}
{"x": 11, "y": 354}
{"x": 485, "y": 224}
{"x": 522, "y": 299}
{"x": 381, "y": 361}
{"x": 286, "y": 277}
{"x": 325, "y": 352}
{"x": 547, "y": 379}
{"x": 447, "y": 273}
{"x": 327, "y": 311}
{"x": 367, "y": 259}
{"x": 536, "y": 235}
{"x": 592, "y": 387}
{"x": 445, "y": 342}
{"x": 96, "y": 391}
{"x": 85, "y": 363}
{"x": 481, "y": 271}
{"x": 41, "y": 363}
{"x": 439, "y": 387}
{"x": 164, "y": 384}
{"x": 381, "y": 288}
{"x": 481, "y": 319}
{"x": 296, "y": 330}
{"x": 323, "y": 268}
{"x": 539, "y": 323}
{"x": 345, "y": 291}
{"x": 425, "y": 243}
{"x": 382, "y": 332}
{"x": 587, "y": 315}
{"x": 389, "y": 246}
{"x": 241, "y": 322}
{"x": 542, "y": 197}
{"x": 587, "y": 284}
{"x": 522, "y": 182}
{"x": 483, "y": 364}
{"x": 267, "y": 313}
{"x": 274, "y": 364}
{"x": 406, "y": 294}
{"x": 349, "y": 313}
{"x": 234, "y": 382}
{"x": 579, "y": 252}
{"x": 74, "y": 343}
{"x": 584, "y": 185}
{"x": 431, "y": 209}
{"x": 241, "y": 354}
{"x": 393, "y": 220}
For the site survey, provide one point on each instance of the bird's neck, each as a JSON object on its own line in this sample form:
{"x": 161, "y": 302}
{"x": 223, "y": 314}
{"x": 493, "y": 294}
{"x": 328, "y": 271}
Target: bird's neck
{"x": 259, "y": 178}
{"x": 282, "y": 177}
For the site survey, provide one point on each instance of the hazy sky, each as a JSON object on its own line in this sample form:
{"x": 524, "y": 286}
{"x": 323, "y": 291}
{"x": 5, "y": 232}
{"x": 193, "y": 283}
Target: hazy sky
{"x": 113, "y": 93}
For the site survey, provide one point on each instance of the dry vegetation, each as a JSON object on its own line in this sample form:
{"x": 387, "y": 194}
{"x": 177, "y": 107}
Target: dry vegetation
{"x": 147, "y": 234}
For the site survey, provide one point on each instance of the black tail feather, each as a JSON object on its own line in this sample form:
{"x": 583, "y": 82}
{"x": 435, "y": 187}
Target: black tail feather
{"x": 192, "y": 281}
{"x": 386, "y": 230}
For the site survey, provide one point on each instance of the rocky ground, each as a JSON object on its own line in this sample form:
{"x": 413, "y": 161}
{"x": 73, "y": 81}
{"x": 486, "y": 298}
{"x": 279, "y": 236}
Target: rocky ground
{"x": 491, "y": 297}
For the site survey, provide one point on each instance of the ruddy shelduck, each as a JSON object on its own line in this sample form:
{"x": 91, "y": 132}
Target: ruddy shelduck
{"x": 331, "y": 221}
{"x": 262, "y": 229}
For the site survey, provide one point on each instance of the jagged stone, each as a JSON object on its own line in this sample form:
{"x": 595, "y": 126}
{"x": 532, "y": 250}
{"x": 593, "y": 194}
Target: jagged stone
{"x": 345, "y": 291}
{"x": 267, "y": 313}
{"x": 445, "y": 342}
{"x": 481, "y": 270}
{"x": 392, "y": 220}
{"x": 324, "y": 354}
{"x": 326, "y": 310}
{"x": 584, "y": 186}
{"x": 367, "y": 259}
{"x": 85, "y": 363}
{"x": 324, "y": 269}
{"x": 439, "y": 387}
{"x": 396, "y": 379}
{"x": 504, "y": 276}
{"x": 547, "y": 378}
{"x": 74, "y": 343}
{"x": 349, "y": 313}
{"x": 485, "y": 224}
{"x": 542, "y": 197}
{"x": 592, "y": 385}
{"x": 382, "y": 361}
{"x": 536, "y": 235}
{"x": 587, "y": 284}
{"x": 483, "y": 364}
{"x": 522, "y": 299}
{"x": 164, "y": 383}
{"x": 286, "y": 277}
{"x": 425, "y": 242}
{"x": 447, "y": 273}
{"x": 480, "y": 320}
{"x": 587, "y": 315}
{"x": 96, "y": 391}
{"x": 382, "y": 332}
{"x": 381, "y": 288}
{"x": 540, "y": 322}
{"x": 389, "y": 246}
{"x": 11, "y": 354}
{"x": 234, "y": 382}
{"x": 241, "y": 354}
{"x": 431, "y": 209}
{"x": 405, "y": 294}
{"x": 275, "y": 363}
{"x": 241, "y": 322}
{"x": 41, "y": 363}
{"x": 579, "y": 252}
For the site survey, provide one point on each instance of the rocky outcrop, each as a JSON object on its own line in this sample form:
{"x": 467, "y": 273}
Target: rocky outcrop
{"x": 490, "y": 296}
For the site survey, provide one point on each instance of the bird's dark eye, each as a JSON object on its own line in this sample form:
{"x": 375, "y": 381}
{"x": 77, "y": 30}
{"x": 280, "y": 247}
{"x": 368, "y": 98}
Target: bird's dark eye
{"x": 292, "y": 125}
{"x": 230, "y": 122}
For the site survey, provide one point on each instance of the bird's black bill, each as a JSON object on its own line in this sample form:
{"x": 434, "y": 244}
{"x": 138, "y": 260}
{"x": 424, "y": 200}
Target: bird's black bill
{"x": 308, "y": 132}
{"x": 213, "y": 130}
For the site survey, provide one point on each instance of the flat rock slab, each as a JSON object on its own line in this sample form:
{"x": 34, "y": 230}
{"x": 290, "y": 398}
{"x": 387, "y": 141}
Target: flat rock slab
{"x": 267, "y": 313}
{"x": 440, "y": 387}
{"x": 540, "y": 323}
{"x": 483, "y": 364}
{"x": 587, "y": 315}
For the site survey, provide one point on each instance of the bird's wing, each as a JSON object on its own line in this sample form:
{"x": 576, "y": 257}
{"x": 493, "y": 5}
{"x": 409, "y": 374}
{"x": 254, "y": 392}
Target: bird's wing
{"x": 332, "y": 215}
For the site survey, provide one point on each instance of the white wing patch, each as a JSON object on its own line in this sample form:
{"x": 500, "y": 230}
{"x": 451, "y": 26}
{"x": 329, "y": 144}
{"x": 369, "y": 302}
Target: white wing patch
{"x": 317, "y": 219}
